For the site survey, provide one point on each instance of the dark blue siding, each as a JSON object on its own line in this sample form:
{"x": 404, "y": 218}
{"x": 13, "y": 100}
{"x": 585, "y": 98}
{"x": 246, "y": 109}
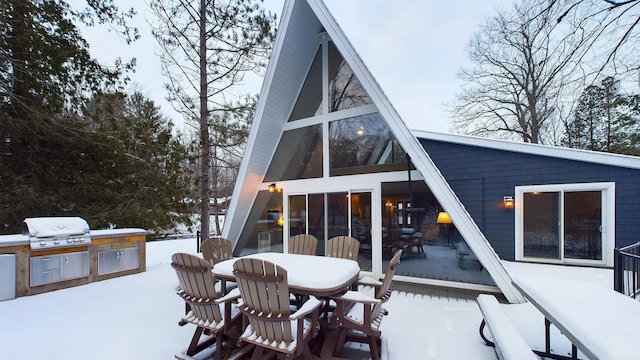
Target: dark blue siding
{"x": 481, "y": 177}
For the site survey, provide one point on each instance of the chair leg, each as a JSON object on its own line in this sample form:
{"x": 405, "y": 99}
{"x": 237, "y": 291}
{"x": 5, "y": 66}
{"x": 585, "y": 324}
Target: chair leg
{"x": 193, "y": 346}
{"x": 342, "y": 336}
{"x": 218, "y": 346}
{"x": 373, "y": 347}
{"x": 257, "y": 353}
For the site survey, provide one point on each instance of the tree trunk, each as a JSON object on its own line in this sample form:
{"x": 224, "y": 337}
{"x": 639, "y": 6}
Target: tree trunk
{"x": 204, "y": 126}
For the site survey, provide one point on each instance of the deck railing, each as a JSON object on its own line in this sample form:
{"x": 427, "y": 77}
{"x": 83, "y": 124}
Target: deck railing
{"x": 626, "y": 270}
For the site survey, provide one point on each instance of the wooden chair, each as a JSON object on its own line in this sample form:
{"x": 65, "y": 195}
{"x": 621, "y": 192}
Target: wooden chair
{"x": 265, "y": 296}
{"x": 304, "y": 244}
{"x": 344, "y": 247}
{"x": 210, "y": 314}
{"x": 216, "y": 249}
{"x": 358, "y": 315}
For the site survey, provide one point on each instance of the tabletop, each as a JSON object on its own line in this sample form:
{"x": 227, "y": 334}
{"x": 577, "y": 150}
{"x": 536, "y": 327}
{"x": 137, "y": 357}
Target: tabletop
{"x": 306, "y": 274}
{"x": 601, "y": 323}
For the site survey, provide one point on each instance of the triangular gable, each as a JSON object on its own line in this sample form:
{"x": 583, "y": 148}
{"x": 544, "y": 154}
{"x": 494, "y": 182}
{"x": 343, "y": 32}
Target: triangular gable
{"x": 294, "y": 49}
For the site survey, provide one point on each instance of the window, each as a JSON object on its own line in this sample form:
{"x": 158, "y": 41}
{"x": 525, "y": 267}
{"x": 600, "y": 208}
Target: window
{"x": 298, "y": 156}
{"x": 570, "y": 223}
{"x": 363, "y": 144}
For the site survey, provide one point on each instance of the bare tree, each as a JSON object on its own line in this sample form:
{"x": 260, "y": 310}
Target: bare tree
{"x": 206, "y": 48}
{"x": 520, "y": 66}
{"x": 614, "y": 25}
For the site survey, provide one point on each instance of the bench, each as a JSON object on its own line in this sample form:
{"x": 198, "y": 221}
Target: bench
{"x": 508, "y": 342}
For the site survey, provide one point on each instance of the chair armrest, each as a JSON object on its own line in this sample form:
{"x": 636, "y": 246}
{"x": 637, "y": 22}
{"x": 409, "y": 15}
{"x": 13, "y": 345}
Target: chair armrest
{"x": 231, "y": 295}
{"x": 309, "y": 306}
{"x": 356, "y": 296}
{"x": 369, "y": 281}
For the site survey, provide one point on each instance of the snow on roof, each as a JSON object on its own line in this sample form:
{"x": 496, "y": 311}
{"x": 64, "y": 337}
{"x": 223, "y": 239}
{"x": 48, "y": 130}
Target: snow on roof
{"x": 632, "y": 162}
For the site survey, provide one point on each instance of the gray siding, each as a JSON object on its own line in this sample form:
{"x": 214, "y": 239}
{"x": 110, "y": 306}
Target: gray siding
{"x": 481, "y": 177}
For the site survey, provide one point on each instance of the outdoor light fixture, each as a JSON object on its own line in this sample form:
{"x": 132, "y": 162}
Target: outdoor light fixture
{"x": 508, "y": 202}
{"x": 272, "y": 188}
{"x": 360, "y": 130}
{"x": 443, "y": 218}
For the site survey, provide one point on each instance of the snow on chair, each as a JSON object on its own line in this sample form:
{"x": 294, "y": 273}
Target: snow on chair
{"x": 210, "y": 314}
{"x": 265, "y": 294}
{"x": 359, "y": 315}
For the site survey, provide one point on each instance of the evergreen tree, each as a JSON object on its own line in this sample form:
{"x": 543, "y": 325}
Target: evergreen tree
{"x": 71, "y": 144}
{"x": 604, "y": 120}
{"x": 137, "y": 166}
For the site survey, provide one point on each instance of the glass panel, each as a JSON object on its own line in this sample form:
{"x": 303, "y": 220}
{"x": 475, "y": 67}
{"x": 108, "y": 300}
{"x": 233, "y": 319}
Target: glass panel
{"x": 431, "y": 250}
{"x": 297, "y": 215}
{"x": 361, "y": 226}
{"x": 363, "y": 144}
{"x": 298, "y": 156}
{"x": 316, "y": 220}
{"x": 541, "y": 225}
{"x": 582, "y": 223}
{"x": 309, "y": 102}
{"x": 337, "y": 214}
{"x": 345, "y": 90}
{"x": 263, "y": 231}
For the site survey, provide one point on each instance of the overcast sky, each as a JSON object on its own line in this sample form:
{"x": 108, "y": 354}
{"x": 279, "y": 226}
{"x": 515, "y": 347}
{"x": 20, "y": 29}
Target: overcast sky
{"x": 414, "y": 49}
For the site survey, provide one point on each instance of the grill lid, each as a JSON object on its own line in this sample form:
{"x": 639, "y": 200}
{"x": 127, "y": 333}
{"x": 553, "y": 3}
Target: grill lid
{"x": 47, "y": 227}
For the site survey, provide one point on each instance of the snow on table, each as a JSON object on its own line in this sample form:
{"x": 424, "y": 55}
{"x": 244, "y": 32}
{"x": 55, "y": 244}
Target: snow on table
{"x": 602, "y": 323}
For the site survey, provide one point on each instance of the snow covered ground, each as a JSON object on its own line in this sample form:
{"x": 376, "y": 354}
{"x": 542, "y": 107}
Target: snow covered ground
{"x": 135, "y": 317}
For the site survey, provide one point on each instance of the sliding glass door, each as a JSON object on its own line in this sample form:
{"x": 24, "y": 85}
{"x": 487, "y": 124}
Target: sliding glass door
{"x": 326, "y": 215}
{"x": 565, "y": 223}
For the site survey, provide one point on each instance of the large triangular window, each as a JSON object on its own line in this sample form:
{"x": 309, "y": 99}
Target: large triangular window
{"x": 309, "y": 102}
{"x": 345, "y": 90}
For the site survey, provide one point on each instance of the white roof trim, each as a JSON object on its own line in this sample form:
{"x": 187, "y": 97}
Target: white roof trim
{"x": 627, "y": 161}
{"x": 248, "y": 183}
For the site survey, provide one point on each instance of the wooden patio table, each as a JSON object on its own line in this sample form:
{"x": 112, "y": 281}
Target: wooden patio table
{"x": 601, "y": 323}
{"x": 320, "y": 276}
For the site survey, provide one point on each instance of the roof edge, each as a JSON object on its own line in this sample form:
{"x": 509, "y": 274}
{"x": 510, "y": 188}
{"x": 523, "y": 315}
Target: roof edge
{"x": 627, "y": 161}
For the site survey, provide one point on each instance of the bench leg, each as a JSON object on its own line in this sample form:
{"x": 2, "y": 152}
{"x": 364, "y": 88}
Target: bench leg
{"x": 487, "y": 341}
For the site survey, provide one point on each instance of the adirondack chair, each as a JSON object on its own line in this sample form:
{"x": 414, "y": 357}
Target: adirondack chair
{"x": 265, "y": 296}
{"x": 305, "y": 244}
{"x": 216, "y": 249}
{"x": 344, "y": 247}
{"x": 211, "y": 315}
{"x": 358, "y": 315}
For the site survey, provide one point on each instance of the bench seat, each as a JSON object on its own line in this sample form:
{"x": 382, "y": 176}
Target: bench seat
{"x": 508, "y": 342}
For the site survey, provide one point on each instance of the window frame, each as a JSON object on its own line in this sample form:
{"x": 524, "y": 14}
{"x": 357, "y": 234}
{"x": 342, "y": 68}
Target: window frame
{"x": 607, "y": 190}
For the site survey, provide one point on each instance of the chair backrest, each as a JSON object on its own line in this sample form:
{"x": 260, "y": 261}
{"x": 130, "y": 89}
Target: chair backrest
{"x": 384, "y": 291}
{"x": 265, "y": 295}
{"x": 197, "y": 284}
{"x": 344, "y": 247}
{"x": 305, "y": 244}
{"x": 216, "y": 249}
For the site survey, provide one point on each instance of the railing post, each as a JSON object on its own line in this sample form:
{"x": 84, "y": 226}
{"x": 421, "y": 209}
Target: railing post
{"x": 198, "y": 241}
{"x": 618, "y": 271}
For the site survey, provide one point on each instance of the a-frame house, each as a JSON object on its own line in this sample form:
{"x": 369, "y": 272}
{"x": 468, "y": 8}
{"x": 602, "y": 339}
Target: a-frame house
{"x": 328, "y": 155}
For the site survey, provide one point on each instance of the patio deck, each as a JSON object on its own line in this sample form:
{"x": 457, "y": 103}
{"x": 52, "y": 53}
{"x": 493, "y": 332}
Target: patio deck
{"x": 136, "y": 316}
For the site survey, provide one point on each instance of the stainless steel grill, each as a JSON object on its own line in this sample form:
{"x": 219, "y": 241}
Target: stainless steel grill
{"x": 56, "y": 232}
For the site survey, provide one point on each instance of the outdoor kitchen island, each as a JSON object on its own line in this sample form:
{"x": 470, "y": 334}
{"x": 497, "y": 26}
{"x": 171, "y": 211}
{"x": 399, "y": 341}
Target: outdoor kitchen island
{"x": 47, "y": 262}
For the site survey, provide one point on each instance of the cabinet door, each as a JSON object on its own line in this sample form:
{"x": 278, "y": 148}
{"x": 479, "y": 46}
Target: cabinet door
{"x": 111, "y": 261}
{"x": 75, "y": 265}
{"x": 45, "y": 269}
{"x": 108, "y": 261}
{"x": 129, "y": 259}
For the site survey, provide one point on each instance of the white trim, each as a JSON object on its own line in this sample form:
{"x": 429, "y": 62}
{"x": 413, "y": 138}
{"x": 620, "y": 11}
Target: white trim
{"x": 626, "y": 161}
{"x": 608, "y": 190}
